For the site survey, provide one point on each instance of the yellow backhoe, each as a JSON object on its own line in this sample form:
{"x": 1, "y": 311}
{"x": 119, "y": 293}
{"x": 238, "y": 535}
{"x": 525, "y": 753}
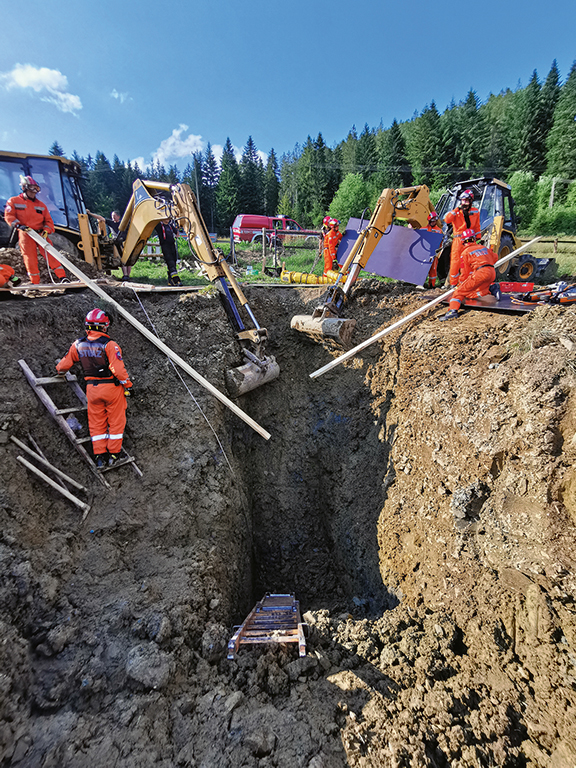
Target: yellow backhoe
{"x": 411, "y": 204}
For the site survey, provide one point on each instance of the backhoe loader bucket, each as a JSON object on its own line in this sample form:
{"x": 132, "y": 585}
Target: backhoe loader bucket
{"x": 327, "y": 328}
{"x": 251, "y": 375}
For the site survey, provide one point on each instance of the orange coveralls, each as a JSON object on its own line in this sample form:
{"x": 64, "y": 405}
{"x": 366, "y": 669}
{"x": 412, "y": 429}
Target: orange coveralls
{"x": 6, "y": 272}
{"x": 477, "y": 274}
{"x": 433, "y": 274}
{"x": 331, "y": 242}
{"x": 106, "y": 400}
{"x": 459, "y": 224}
{"x": 34, "y": 214}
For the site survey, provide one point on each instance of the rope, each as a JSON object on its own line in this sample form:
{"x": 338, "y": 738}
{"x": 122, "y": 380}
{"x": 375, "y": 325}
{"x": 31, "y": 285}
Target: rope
{"x": 184, "y": 383}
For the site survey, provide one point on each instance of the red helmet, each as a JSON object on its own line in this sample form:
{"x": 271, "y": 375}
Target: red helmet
{"x": 467, "y": 195}
{"x": 334, "y": 223}
{"x": 468, "y": 236}
{"x": 326, "y": 221}
{"x": 27, "y": 181}
{"x": 97, "y": 320}
{"x": 432, "y": 216}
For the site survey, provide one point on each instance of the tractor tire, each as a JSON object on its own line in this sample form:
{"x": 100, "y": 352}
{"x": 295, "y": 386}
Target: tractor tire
{"x": 506, "y": 247}
{"x": 67, "y": 247}
{"x": 524, "y": 269}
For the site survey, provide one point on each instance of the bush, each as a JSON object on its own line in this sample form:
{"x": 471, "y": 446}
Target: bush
{"x": 523, "y": 186}
{"x": 559, "y": 220}
{"x": 352, "y": 197}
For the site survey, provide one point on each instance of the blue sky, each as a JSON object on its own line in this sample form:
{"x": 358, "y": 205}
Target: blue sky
{"x": 147, "y": 80}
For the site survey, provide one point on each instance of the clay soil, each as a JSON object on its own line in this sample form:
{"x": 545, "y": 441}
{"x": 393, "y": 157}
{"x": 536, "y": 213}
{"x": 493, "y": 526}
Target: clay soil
{"x": 419, "y": 500}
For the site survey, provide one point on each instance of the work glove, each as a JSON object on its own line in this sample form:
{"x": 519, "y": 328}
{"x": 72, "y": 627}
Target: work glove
{"x": 129, "y": 392}
{"x": 44, "y": 234}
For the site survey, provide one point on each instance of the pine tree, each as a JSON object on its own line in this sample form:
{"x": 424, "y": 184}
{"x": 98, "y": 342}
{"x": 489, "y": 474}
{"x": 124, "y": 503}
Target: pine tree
{"x": 393, "y": 166}
{"x": 210, "y": 175}
{"x": 473, "y": 137}
{"x": 529, "y": 148}
{"x": 426, "y": 150}
{"x": 56, "y": 150}
{"x": 252, "y": 178}
{"x": 450, "y": 129}
{"x": 271, "y": 185}
{"x": 366, "y": 153}
{"x": 347, "y": 152}
{"x": 549, "y": 96}
{"x": 561, "y": 141}
{"x": 99, "y": 189}
{"x": 228, "y": 189}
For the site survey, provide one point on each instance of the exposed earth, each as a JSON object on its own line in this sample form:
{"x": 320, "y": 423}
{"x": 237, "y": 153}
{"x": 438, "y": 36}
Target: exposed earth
{"x": 419, "y": 500}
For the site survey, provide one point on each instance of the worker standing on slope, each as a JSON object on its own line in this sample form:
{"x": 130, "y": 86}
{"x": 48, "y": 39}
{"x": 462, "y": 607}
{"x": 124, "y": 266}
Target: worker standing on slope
{"x": 166, "y": 232}
{"x": 25, "y": 210}
{"x": 331, "y": 242}
{"x": 107, "y": 385}
{"x": 477, "y": 274}
{"x": 433, "y": 226}
{"x": 463, "y": 217}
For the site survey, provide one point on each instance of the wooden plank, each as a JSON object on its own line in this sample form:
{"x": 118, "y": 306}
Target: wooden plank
{"x": 84, "y": 507}
{"x": 46, "y": 463}
{"x": 148, "y": 334}
{"x": 76, "y": 409}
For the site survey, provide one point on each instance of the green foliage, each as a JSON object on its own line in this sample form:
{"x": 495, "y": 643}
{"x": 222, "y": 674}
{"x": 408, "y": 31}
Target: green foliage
{"x": 56, "y": 150}
{"x": 523, "y": 186}
{"x": 559, "y": 220}
{"x": 352, "y": 198}
{"x": 561, "y": 140}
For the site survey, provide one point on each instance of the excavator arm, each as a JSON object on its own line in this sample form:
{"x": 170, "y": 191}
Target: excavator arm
{"x": 411, "y": 204}
{"x": 142, "y": 214}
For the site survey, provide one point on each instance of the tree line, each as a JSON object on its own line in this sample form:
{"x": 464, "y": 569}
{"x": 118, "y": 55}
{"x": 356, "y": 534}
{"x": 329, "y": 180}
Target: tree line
{"x": 526, "y": 137}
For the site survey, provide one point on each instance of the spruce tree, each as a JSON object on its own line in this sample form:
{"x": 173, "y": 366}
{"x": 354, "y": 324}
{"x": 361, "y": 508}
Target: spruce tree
{"x": 393, "y": 166}
{"x": 210, "y": 174}
{"x": 56, "y": 150}
{"x": 271, "y": 185}
{"x": 366, "y": 153}
{"x": 252, "y": 179}
{"x": 473, "y": 137}
{"x": 529, "y": 150}
{"x": 561, "y": 140}
{"x": 228, "y": 189}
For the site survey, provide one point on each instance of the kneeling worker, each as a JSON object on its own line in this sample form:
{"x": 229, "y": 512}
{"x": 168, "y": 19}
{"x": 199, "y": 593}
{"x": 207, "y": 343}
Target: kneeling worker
{"x": 107, "y": 386}
{"x": 477, "y": 274}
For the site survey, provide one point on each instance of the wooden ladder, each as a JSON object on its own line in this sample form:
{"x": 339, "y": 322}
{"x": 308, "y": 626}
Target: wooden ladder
{"x": 274, "y": 619}
{"x": 38, "y": 384}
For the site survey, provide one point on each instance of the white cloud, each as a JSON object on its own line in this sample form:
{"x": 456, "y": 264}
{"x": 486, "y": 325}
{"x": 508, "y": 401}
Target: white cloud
{"x": 176, "y": 146}
{"x": 139, "y": 161}
{"x": 122, "y": 97}
{"x": 51, "y": 83}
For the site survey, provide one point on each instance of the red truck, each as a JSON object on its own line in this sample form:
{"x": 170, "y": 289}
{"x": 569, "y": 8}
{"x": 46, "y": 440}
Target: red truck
{"x": 247, "y": 227}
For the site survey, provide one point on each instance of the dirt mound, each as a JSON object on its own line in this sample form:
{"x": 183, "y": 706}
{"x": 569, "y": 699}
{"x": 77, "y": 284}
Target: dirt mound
{"x": 13, "y": 257}
{"x": 419, "y": 500}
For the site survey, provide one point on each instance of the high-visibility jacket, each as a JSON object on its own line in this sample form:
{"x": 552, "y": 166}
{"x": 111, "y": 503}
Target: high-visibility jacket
{"x": 475, "y": 256}
{"x": 460, "y": 221}
{"x": 100, "y": 356}
{"x": 331, "y": 242}
{"x": 30, "y": 213}
{"x": 99, "y": 347}
{"x": 476, "y": 275}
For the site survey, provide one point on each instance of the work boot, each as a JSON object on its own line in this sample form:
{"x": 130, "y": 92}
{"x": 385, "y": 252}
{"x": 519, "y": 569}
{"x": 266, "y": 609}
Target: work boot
{"x": 452, "y": 314}
{"x": 15, "y": 280}
{"x": 174, "y": 280}
{"x": 100, "y": 461}
{"x": 495, "y": 291}
{"x": 112, "y": 459}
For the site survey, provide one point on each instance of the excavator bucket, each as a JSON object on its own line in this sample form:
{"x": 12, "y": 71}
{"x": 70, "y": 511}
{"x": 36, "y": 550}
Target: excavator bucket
{"x": 325, "y": 328}
{"x": 251, "y": 375}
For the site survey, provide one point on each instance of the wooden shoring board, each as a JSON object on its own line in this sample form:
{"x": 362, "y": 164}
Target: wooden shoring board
{"x": 274, "y": 619}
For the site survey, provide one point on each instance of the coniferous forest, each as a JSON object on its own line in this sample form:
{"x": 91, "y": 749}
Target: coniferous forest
{"x": 525, "y": 137}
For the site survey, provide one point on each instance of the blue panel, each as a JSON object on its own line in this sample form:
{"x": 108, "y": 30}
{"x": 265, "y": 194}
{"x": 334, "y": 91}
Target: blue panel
{"x": 402, "y": 253}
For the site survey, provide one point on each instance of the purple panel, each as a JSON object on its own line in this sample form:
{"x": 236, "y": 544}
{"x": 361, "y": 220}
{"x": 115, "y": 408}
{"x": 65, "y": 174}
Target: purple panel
{"x": 402, "y": 253}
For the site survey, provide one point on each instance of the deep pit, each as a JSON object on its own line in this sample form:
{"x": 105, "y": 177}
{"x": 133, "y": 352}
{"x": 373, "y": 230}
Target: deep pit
{"x": 419, "y": 500}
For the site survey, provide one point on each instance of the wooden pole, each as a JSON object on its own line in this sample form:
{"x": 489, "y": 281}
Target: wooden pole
{"x": 404, "y": 320}
{"x": 46, "y": 463}
{"x": 150, "y": 336}
{"x": 84, "y": 507}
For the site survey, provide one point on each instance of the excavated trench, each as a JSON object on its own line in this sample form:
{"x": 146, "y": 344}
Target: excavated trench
{"x": 419, "y": 501}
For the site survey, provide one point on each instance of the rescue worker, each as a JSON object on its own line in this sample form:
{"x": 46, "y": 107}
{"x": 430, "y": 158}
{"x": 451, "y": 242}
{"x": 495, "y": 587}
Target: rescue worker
{"x": 464, "y": 216}
{"x": 107, "y": 386}
{"x": 166, "y": 232}
{"x": 25, "y": 210}
{"x": 331, "y": 242}
{"x": 433, "y": 226}
{"x": 7, "y": 276}
{"x": 477, "y": 274}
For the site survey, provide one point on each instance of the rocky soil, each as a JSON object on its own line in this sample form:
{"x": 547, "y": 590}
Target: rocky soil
{"x": 420, "y": 500}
